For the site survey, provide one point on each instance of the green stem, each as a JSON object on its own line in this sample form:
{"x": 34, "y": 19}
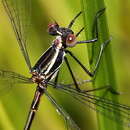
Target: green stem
{"x": 105, "y": 74}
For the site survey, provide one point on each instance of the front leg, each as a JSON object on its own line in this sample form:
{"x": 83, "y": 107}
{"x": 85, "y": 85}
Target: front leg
{"x": 94, "y": 30}
{"x": 91, "y": 74}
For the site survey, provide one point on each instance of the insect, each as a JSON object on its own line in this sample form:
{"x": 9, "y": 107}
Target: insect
{"x": 47, "y": 68}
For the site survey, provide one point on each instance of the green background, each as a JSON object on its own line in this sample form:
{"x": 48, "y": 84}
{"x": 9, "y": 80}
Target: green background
{"x": 15, "y": 103}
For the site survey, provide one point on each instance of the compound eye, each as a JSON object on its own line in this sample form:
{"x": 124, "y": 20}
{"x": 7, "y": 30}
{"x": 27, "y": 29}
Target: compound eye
{"x": 52, "y": 28}
{"x": 71, "y": 40}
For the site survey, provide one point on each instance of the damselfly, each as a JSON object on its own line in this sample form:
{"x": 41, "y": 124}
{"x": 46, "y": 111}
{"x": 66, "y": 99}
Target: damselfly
{"x": 47, "y": 68}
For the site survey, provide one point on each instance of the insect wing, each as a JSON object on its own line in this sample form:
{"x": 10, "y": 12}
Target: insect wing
{"x": 70, "y": 124}
{"x": 9, "y": 79}
{"x": 110, "y": 109}
{"x": 17, "y": 12}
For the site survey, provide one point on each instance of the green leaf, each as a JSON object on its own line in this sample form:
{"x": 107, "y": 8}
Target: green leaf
{"x": 105, "y": 74}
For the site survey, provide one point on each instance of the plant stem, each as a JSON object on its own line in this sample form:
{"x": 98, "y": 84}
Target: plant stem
{"x": 105, "y": 74}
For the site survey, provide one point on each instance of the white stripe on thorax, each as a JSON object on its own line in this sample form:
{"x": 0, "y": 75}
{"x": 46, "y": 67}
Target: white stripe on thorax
{"x": 52, "y": 61}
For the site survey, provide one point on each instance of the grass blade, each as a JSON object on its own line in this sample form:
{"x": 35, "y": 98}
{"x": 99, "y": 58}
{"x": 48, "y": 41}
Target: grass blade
{"x": 105, "y": 74}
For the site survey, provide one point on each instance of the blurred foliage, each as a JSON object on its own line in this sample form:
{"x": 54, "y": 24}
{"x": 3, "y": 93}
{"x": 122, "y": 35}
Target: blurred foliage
{"x": 15, "y": 103}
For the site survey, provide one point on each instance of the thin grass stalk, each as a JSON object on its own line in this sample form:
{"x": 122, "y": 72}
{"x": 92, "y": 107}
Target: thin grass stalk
{"x": 105, "y": 74}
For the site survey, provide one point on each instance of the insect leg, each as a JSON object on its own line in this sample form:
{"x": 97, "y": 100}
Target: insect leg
{"x": 78, "y": 61}
{"x": 56, "y": 78}
{"x": 72, "y": 75}
{"x": 92, "y": 74}
{"x": 73, "y": 20}
{"x": 95, "y": 28}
